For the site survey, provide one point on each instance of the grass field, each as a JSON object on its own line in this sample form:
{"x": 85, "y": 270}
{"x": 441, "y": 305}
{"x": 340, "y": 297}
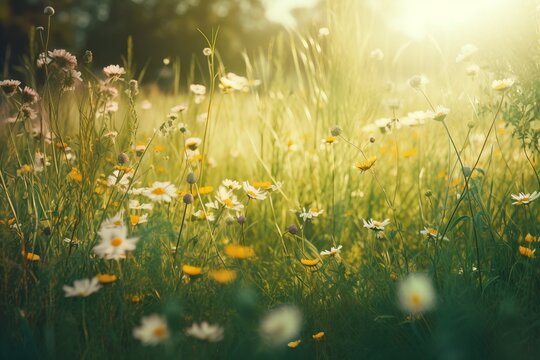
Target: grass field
{"x": 333, "y": 201}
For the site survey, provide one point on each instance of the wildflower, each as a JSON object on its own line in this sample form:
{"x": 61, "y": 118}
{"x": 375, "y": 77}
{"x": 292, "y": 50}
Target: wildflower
{"x": 106, "y": 278}
{"x": 205, "y": 332}
{"x": 226, "y": 198}
{"x": 136, "y": 205}
{"x": 310, "y": 262}
{"x": 324, "y": 31}
{"x": 313, "y": 212}
{"x": 231, "y": 82}
{"x": 409, "y": 152}
{"x": 417, "y": 81}
{"x": 161, "y": 191}
{"x": 178, "y": 109}
{"x": 114, "y": 243}
{"x": 294, "y": 344}
{"x": 524, "y": 199}
{"x": 318, "y": 336}
{"x": 365, "y": 165}
{"x": 231, "y": 184}
{"x": 472, "y": 70}
{"x": 376, "y": 54}
{"x": 88, "y": 57}
{"x": 252, "y": 192}
{"x": 223, "y": 276}
{"x": 29, "y": 96}
{"x": 10, "y": 86}
{"x": 187, "y": 199}
{"x": 135, "y": 299}
{"x": 82, "y": 288}
{"x": 529, "y": 238}
{"x": 31, "y": 256}
{"x": 74, "y": 175}
{"x": 281, "y": 325}
{"x": 192, "y": 143}
{"x": 152, "y": 331}
{"x": 440, "y": 113}
{"x": 376, "y": 225}
{"x": 49, "y": 11}
{"x": 329, "y": 140}
{"x": 527, "y": 252}
{"x": 197, "y": 89}
{"x": 25, "y": 169}
{"x": 416, "y": 294}
{"x": 502, "y": 85}
{"x": 334, "y": 251}
{"x": 62, "y": 60}
{"x": 201, "y": 215}
{"x": 239, "y": 251}
{"x": 114, "y": 71}
{"x": 432, "y": 233}
{"x": 120, "y": 178}
{"x": 467, "y": 51}
{"x": 293, "y": 229}
{"x": 207, "y": 51}
{"x": 138, "y": 219}
{"x": 204, "y": 190}
{"x": 191, "y": 270}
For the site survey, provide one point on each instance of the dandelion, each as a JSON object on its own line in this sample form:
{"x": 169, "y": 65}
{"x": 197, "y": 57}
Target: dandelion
{"x": 223, "y": 276}
{"x": 31, "y": 256}
{"x": 502, "y": 85}
{"x": 74, "y": 175}
{"x": 525, "y": 199}
{"x": 191, "y": 270}
{"x": 334, "y": 251}
{"x": 310, "y": 262}
{"x": 252, "y": 192}
{"x": 432, "y": 233}
{"x": 10, "y": 86}
{"x": 114, "y": 243}
{"x": 82, "y": 288}
{"x": 239, "y": 251}
{"x": 318, "y": 336}
{"x": 294, "y": 344}
{"x": 367, "y": 164}
{"x": 310, "y": 214}
{"x": 527, "y": 252}
{"x": 114, "y": 72}
{"x": 152, "y": 331}
{"x": 106, "y": 278}
{"x": 205, "y": 332}
{"x": 416, "y": 294}
{"x": 25, "y": 169}
{"x": 529, "y": 238}
{"x": 161, "y": 191}
{"x": 281, "y": 325}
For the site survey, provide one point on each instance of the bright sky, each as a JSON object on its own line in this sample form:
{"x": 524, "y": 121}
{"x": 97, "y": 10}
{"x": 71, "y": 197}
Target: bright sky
{"x": 279, "y": 11}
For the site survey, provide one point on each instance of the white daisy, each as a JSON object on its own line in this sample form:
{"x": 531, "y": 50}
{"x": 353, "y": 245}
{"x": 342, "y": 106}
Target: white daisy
{"x": 502, "y": 85}
{"x": 376, "y": 225}
{"x": 136, "y": 205}
{"x": 252, "y": 192}
{"x": 226, "y": 198}
{"x": 200, "y": 215}
{"x": 82, "y": 288}
{"x": 206, "y": 332}
{"x": 161, "y": 191}
{"x": 432, "y": 233}
{"x": 152, "y": 331}
{"x": 281, "y": 325}
{"x": 524, "y": 199}
{"x": 334, "y": 251}
{"x": 416, "y": 294}
{"x": 114, "y": 243}
{"x": 231, "y": 184}
{"x": 309, "y": 214}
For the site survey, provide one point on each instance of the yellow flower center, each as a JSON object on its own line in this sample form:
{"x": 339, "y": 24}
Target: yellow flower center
{"x": 159, "y": 331}
{"x": 252, "y": 194}
{"x": 432, "y": 232}
{"x": 118, "y": 222}
{"x": 158, "y": 191}
{"x": 228, "y": 203}
{"x": 117, "y": 242}
{"x": 134, "y": 219}
{"x": 416, "y": 301}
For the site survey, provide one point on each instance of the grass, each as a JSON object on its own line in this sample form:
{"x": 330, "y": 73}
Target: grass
{"x": 303, "y": 126}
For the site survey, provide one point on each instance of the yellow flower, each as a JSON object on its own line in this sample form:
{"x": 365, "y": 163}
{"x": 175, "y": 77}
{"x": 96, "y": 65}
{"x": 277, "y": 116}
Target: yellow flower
{"x": 223, "y": 276}
{"x": 159, "y": 148}
{"x": 135, "y": 298}
{"x": 527, "y": 252}
{"x": 31, "y": 256}
{"x": 239, "y": 251}
{"x": 294, "y": 344}
{"x": 203, "y": 190}
{"x": 74, "y": 175}
{"x": 529, "y": 238}
{"x": 366, "y": 164}
{"x": 61, "y": 145}
{"x": 264, "y": 185}
{"x": 318, "y": 336}
{"x": 409, "y": 153}
{"x": 25, "y": 169}
{"x": 191, "y": 270}
{"x": 106, "y": 278}
{"x": 329, "y": 140}
{"x": 310, "y": 262}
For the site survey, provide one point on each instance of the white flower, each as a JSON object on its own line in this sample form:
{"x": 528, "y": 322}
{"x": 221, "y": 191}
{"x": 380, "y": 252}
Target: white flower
{"x": 376, "y": 54}
{"x": 252, "y": 192}
{"x": 524, "y": 199}
{"x": 201, "y": 215}
{"x": 121, "y": 181}
{"x": 226, "y": 198}
{"x": 281, "y": 325}
{"x": 332, "y": 252}
{"x": 440, "y": 113}
{"x": 178, "y": 108}
{"x": 432, "y": 233}
{"x": 205, "y": 331}
{"x": 82, "y": 288}
{"x": 324, "y": 31}
{"x": 146, "y": 105}
{"x": 467, "y": 51}
{"x": 416, "y": 294}
{"x": 114, "y": 243}
{"x": 376, "y": 225}
{"x": 152, "y": 331}
{"x": 311, "y": 213}
{"x": 113, "y": 222}
{"x": 502, "y": 85}
{"x": 417, "y": 81}
{"x": 136, "y": 205}
{"x": 114, "y": 71}
{"x": 192, "y": 143}
{"x": 231, "y": 184}
{"x": 472, "y": 70}
{"x": 197, "y": 89}
{"x": 161, "y": 191}
{"x": 231, "y": 82}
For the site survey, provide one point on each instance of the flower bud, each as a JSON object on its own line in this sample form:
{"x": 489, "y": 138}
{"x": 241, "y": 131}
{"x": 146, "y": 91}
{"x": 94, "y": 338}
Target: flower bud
{"x": 123, "y": 158}
{"x": 191, "y": 178}
{"x": 187, "y": 199}
{"x": 336, "y": 131}
{"x": 293, "y": 229}
{"x": 49, "y": 11}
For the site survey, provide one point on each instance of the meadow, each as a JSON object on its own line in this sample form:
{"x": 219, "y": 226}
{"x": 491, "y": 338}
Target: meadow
{"x": 331, "y": 201}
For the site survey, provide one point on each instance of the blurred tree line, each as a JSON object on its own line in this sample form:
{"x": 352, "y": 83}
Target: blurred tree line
{"x": 160, "y": 29}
